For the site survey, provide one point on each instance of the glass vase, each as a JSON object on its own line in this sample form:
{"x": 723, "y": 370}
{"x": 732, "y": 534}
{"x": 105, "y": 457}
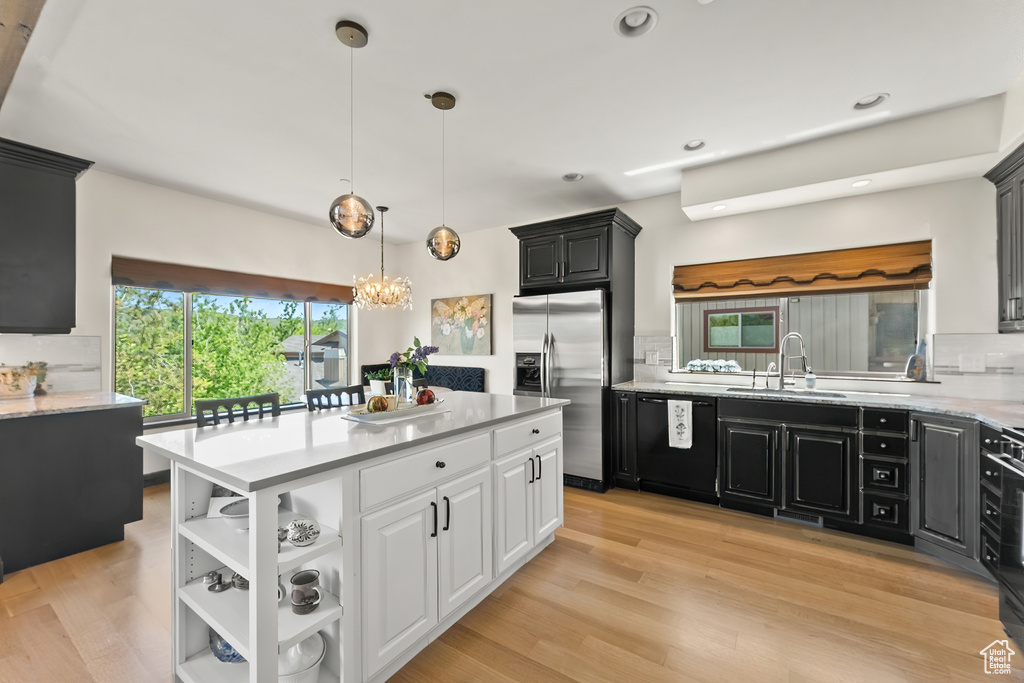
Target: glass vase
{"x": 403, "y": 385}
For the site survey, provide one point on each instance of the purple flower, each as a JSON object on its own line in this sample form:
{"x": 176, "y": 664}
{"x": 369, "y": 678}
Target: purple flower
{"x": 394, "y": 360}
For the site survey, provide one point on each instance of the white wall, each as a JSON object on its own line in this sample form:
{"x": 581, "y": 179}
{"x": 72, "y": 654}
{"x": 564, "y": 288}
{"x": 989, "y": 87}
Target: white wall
{"x": 122, "y": 217}
{"x": 958, "y": 216}
{"x": 488, "y": 263}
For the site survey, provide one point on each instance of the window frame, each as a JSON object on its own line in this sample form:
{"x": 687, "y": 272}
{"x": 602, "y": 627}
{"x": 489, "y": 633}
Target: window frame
{"x": 776, "y": 323}
{"x": 187, "y": 416}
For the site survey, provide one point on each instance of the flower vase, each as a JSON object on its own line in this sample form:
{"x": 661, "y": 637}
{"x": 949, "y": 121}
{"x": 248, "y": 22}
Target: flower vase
{"x": 403, "y": 385}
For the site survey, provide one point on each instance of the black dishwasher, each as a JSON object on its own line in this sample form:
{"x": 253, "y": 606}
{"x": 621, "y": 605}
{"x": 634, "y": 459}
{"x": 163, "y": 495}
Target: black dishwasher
{"x": 682, "y": 472}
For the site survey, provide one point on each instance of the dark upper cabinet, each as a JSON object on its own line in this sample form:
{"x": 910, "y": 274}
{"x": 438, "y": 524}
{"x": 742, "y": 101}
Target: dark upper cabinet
{"x": 944, "y": 507}
{"x": 624, "y": 439}
{"x": 748, "y": 463}
{"x": 1008, "y": 178}
{"x": 593, "y": 249}
{"x": 820, "y": 472}
{"x": 37, "y": 230}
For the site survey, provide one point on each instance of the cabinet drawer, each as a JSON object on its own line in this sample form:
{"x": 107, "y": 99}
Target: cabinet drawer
{"x": 989, "y": 550}
{"x": 526, "y": 433}
{"x": 991, "y": 439}
{"x": 990, "y": 473}
{"x": 883, "y": 444}
{"x": 887, "y": 511}
{"x": 883, "y": 475}
{"x": 885, "y": 420}
{"x": 381, "y": 483}
{"x": 990, "y": 509}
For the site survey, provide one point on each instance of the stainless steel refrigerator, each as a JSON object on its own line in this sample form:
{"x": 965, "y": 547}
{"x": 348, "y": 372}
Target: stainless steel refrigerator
{"x": 561, "y": 346}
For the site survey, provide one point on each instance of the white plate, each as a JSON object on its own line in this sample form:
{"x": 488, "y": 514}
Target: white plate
{"x": 361, "y": 414}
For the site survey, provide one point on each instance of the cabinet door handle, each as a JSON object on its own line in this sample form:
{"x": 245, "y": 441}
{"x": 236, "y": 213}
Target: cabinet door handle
{"x": 533, "y": 471}
{"x": 882, "y": 420}
{"x": 913, "y": 430}
{"x": 434, "y": 505}
{"x": 439, "y": 464}
{"x": 540, "y": 468}
{"x": 447, "y": 513}
{"x": 882, "y": 445}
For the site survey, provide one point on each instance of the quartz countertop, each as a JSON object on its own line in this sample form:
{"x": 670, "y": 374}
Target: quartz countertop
{"x": 995, "y": 413}
{"x": 260, "y": 453}
{"x": 71, "y": 402}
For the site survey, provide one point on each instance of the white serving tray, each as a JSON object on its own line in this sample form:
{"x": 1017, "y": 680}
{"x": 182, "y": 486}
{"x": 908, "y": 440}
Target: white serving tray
{"x": 403, "y": 412}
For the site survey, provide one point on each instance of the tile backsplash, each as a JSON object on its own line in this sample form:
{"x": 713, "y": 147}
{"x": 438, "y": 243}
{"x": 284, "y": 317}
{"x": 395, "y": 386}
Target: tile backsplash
{"x": 652, "y": 346}
{"x": 73, "y": 363}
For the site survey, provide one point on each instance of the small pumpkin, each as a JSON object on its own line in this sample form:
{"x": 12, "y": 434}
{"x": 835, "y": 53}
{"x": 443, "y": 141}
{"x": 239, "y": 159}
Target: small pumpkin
{"x": 377, "y": 404}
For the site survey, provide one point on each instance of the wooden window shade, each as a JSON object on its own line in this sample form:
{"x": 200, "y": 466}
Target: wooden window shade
{"x": 864, "y": 269}
{"x": 156, "y": 275}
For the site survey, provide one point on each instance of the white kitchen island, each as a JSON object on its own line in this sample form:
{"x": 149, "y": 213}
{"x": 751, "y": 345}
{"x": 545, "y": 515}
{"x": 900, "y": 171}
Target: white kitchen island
{"x": 420, "y": 520}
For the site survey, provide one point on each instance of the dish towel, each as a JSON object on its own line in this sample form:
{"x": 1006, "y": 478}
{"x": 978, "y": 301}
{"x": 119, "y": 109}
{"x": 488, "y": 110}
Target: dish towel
{"x": 680, "y": 424}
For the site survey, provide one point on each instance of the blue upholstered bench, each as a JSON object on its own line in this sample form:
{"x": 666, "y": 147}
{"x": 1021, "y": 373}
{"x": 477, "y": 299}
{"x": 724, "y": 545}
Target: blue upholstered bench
{"x": 454, "y": 377}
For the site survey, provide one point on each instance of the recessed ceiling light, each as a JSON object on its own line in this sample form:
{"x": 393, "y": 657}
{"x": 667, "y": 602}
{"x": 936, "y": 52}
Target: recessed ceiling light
{"x": 861, "y": 183}
{"x": 635, "y": 21}
{"x": 572, "y": 177}
{"x": 871, "y": 100}
{"x": 705, "y": 2}
{"x": 718, "y": 207}
{"x": 693, "y": 145}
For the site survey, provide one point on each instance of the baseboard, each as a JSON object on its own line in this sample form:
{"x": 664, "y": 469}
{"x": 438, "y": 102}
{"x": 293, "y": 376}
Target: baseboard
{"x": 575, "y": 482}
{"x": 156, "y": 478}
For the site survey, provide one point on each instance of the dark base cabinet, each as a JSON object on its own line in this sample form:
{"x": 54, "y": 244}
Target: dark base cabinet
{"x": 819, "y": 472}
{"x": 749, "y": 465}
{"x": 624, "y": 440}
{"x": 68, "y": 483}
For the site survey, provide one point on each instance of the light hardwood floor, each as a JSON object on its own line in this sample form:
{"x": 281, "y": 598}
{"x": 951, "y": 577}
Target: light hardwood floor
{"x": 636, "y": 587}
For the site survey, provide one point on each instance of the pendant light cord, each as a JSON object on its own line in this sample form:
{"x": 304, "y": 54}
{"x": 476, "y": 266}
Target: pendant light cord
{"x": 352, "y": 121}
{"x": 442, "y": 167}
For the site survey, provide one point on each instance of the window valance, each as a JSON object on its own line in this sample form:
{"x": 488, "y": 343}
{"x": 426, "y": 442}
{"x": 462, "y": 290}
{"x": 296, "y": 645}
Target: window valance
{"x": 863, "y": 269}
{"x": 157, "y": 275}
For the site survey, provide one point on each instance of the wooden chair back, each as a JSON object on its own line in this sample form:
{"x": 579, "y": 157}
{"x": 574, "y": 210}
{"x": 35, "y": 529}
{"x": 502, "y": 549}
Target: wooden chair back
{"x": 213, "y": 410}
{"x": 338, "y": 396}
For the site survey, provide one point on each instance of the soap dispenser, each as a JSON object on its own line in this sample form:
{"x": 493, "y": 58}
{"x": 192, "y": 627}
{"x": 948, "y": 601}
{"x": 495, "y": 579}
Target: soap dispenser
{"x": 810, "y": 381}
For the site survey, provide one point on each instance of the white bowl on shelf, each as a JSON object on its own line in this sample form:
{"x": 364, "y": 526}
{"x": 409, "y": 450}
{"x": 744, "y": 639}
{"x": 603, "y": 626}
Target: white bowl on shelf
{"x": 236, "y": 514}
{"x": 301, "y": 662}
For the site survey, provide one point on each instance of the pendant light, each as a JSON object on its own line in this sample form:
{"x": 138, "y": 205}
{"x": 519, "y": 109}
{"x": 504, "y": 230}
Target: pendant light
{"x": 443, "y": 243}
{"x": 351, "y": 215}
{"x": 383, "y": 294}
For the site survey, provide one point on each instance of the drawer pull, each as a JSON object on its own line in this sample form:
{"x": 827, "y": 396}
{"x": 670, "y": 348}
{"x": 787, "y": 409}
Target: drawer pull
{"x": 439, "y": 464}
{"x": 882, "y": 445}
{"x": 535, "y": 431}
{"x": 988, "y": 557}
{"x": 988, "y": 440}
{"x": 882, "y": 420}
{"x": 987, "y": 473}
{"x": 883, "y": 475}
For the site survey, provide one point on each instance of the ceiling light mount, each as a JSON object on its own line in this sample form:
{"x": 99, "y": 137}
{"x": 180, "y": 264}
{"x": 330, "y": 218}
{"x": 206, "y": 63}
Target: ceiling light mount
{"x": 869, "y": 101}
{"x": 635, "y": 22}
{"x": 443, "y": 100}
{"x": 351, "y": 33}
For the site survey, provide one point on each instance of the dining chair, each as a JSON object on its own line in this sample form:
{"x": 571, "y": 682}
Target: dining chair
{"x": 219, "y": 408}
{"x": 329, "y": 398}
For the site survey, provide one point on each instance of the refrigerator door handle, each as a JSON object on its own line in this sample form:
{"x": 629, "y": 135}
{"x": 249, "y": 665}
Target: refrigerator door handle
{"x": 547, "y": 360}
{"x": 544, "y": 367}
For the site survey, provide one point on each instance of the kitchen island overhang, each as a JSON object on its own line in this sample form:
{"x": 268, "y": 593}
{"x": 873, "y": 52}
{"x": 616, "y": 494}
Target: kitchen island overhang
{"x": 421, "y": 519}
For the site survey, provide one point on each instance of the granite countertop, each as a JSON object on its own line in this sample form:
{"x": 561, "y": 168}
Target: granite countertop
{"x": 260, "y": 453}
{"x": 997, "y": 414}
{"x": 71, "y": 402}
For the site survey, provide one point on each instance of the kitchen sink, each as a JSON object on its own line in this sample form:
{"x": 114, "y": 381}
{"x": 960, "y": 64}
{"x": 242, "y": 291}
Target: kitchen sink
{"x": 789, "y": 392}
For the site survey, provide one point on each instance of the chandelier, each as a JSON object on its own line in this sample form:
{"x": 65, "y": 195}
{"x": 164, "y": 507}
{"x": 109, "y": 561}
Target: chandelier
{"x": 382, "y": 293}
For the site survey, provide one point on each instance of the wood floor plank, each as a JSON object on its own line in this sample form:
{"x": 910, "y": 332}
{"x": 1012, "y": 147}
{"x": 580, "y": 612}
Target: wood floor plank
{"x": 636, "y": 587}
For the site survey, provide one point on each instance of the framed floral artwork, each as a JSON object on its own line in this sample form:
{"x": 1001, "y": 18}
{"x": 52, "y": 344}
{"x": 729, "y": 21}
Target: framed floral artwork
{"x": 461, "y": 325}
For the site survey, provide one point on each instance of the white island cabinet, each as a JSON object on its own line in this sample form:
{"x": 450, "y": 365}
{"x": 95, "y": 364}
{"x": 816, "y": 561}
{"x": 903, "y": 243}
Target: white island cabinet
{"x": 420, "y": 518}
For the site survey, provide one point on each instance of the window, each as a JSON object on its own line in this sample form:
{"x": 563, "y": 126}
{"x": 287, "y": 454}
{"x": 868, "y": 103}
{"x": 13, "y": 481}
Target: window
{"x": 741, "y": 329}
{"x": 238, "y": 345}
{"x": 857, "y": 334}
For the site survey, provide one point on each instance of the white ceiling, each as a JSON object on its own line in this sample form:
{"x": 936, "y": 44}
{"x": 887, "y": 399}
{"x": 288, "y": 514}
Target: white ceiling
{"x": 249, "y": 101}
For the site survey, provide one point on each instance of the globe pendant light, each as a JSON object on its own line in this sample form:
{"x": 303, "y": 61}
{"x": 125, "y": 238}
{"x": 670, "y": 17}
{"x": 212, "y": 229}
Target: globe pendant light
{"x": 383, "y": 294}
{"x": 443, "y": 243}
{"x": 351, "y": 215}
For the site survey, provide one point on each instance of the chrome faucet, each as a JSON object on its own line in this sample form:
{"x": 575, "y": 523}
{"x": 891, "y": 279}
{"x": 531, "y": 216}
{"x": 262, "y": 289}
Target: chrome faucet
{"x": 784, "y": 359}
